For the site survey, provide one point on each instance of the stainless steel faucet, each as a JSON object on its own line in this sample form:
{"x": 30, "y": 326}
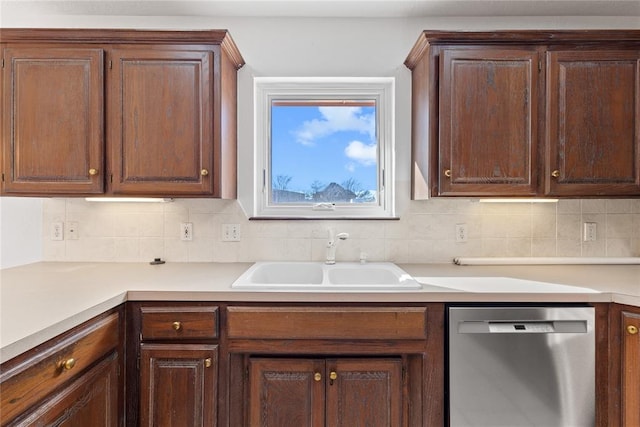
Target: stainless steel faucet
{"x": 331, "y": 245}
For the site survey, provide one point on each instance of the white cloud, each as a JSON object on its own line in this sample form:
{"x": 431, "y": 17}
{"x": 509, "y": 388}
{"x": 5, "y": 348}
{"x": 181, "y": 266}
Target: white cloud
{"x": 365, "y": 154}
{"x": 336, "y": 119}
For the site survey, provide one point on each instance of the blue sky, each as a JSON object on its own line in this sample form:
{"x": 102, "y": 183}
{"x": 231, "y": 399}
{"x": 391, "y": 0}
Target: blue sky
{"x": 326, "y": 144}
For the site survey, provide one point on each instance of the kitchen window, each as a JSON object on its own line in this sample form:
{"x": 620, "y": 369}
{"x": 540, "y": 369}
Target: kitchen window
{"x": 324, "y": 147}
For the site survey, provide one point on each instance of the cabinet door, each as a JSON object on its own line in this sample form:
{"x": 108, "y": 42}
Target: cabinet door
{"x": 286, "y": 392}
{"x": 91, "y": 400}
{"x": 318, "y": 392}
{"x": 593, "y": 119}
{"x": 364, "y": 392}
{"x": 488, "y": 122}
{"x": 52, "y": 120}
{"x": 178, "y": 385}
{"x": 160, "y": 127}
{"x": 630, "y": 369}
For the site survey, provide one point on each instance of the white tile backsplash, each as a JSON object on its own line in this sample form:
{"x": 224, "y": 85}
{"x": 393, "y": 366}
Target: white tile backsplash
{"x": 425, "y": 233}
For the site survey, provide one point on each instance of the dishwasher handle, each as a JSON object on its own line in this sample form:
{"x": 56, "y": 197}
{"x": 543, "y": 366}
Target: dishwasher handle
{"x": 523, "y": 327}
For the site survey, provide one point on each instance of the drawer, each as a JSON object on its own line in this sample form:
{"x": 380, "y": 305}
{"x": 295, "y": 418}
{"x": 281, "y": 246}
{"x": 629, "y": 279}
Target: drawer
{"x": 174, "y": 323}
{"x": 35, "y": 377}
{"x": 366, "y": 323}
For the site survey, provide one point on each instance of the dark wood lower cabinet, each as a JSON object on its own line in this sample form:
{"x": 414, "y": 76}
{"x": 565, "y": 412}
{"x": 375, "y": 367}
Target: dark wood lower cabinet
{"x": 73, "y": 379}
{"x": 340, "y": 392}
{"x": 178, "y": 385}
{"x": 91, "y": 400}
{"x": 630, "y": 368}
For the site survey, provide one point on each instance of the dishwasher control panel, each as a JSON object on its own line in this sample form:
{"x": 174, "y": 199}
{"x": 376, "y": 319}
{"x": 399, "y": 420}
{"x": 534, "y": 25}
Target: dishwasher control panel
{"x": 521, "y": 327}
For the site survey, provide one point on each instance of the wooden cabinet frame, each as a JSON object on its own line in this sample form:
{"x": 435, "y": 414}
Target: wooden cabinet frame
{"x": 561, "y": 165}
{"x": 422, "y": 359}
{"x": 196, "y": 158}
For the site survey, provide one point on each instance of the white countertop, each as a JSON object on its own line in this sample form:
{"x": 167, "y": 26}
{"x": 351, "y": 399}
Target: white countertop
{"x": 41, "y": 300}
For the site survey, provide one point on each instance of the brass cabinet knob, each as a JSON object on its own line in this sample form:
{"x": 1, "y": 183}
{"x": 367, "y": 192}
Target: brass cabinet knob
{"x": 93, "y": 172}
{"x": 207, "y": 362}
{"x": 67, "y": 364}
{"x": 632, "y": 329}
{"x": 555, "y": 173}
{"x": 204, "y": 172}
{"x": 447, "y": 173}
{"x": 317, "y": 376}
{"x": 176, "y": 325}
{"x": 333, "y": 375}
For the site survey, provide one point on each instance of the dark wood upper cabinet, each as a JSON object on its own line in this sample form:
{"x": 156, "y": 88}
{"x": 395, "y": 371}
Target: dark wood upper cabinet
{"x": 52, "y": 121}
{"x": 161, "y": 121}
{"x": 122, "y": 112}
{"x": 488, "y": 121}
{"x": 593, "y": 119}
{"x": 526, "y": 113}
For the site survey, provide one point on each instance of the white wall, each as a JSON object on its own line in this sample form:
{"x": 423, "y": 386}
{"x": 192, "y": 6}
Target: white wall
{"x": 307, "y": 47}
{"x": 20, "y": 231}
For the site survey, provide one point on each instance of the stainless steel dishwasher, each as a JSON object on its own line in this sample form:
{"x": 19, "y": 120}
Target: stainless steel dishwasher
{"x": 521, "y": 366}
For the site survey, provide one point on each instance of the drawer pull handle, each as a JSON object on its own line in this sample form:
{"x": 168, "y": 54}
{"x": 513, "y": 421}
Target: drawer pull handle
{"x": 176, "y": 325}
{"x": 68, "y": 364}
{"x": 555, "y": 173}
{"x": 207, "y": 362}
{"x": 317, "y": 376}
{"x": 93, "y": 172}
{"x": 447, "y": 173}
{"x": 632, "y": 329}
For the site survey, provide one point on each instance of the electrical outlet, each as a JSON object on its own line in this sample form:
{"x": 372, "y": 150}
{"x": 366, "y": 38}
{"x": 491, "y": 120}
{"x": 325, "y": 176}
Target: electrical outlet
{"x": 590, "y": 232}
{"x": 57, "y": 231}
{"x": 230, "y": 232}
{"x": 72, "y": 230}
{"x": 461, "y": 233}
{"x": 186, "y": 231}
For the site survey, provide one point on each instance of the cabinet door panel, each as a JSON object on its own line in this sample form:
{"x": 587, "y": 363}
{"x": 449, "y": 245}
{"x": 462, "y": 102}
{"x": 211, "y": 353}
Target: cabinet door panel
{"x": 593, "y": 123}
{"x": 488, "y": 122}
{"x": 286, "y": 392}
{"x": 178, "y": 385}
{"x": 365, "y": 392}
{"x": 161, "y": 114}
{"x": 53, "y": 120}
{"x": 630, "y": 370}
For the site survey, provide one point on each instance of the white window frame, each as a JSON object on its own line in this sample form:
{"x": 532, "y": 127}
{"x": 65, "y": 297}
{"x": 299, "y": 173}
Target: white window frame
{"x": 380, "y": 89}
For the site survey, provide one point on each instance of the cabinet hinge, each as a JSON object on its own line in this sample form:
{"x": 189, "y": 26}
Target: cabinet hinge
{"x": 2, "y": 62}
{"x": 138, "y": 363}
{"x": 3, "y": 177}
{"x": 404, "y": 374}
{"x": 110, "y": 64}
{"x": 264, "y": 180}
{"x": 539, "y": 65}
{"x": 246, "y": 374}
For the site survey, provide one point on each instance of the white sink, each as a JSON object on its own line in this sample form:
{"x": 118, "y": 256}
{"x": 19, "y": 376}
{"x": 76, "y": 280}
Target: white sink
{"x": 320, "y": 277}
{"x": 501, "y": 284}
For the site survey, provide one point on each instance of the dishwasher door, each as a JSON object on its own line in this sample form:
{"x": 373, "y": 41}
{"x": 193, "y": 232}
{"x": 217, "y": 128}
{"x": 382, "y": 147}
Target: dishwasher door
{"x": 521, "y": 366}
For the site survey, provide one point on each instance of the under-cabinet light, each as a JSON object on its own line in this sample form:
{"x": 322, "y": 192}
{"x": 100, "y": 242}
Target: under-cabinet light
{"x": 129, "y": 199}
{"x": 508, "y": 200}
